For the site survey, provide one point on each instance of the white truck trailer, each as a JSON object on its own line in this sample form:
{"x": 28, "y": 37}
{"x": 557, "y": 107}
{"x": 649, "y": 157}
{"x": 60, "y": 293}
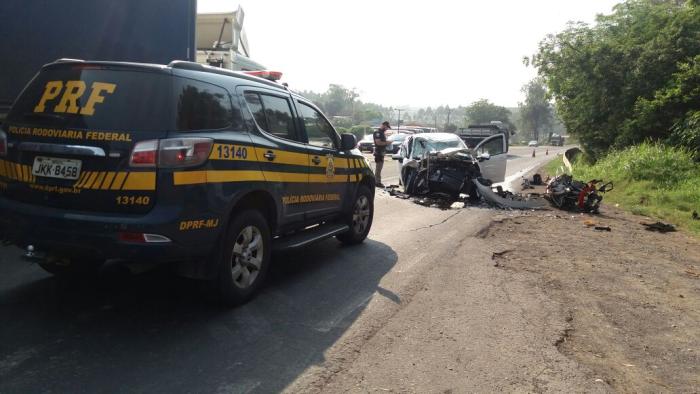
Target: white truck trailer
{"x": 221, "y": 41}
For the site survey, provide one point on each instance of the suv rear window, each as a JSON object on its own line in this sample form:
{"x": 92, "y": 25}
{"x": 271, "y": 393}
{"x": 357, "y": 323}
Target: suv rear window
{"x": 94, "y": 98}
{"x": 203, "y": 106}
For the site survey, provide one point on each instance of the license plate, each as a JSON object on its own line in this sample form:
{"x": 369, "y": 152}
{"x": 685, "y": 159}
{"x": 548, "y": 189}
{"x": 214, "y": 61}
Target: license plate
{"x": 56, "y": 168}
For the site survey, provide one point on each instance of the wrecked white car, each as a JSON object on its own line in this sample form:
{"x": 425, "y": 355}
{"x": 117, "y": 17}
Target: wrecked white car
{"x": 441, "y": 164}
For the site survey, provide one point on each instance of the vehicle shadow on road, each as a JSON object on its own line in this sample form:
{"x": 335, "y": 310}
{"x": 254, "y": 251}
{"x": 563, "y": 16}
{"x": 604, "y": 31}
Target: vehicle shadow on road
{"x": 156, "y": 332}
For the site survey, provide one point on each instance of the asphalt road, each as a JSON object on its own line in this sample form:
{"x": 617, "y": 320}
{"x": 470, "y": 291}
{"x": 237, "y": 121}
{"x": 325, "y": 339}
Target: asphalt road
{"x": 156, "y": 332}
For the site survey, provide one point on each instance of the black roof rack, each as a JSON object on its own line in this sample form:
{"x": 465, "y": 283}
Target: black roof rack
{"x": 185, "y": 65}
{"x": 68, "y": 60}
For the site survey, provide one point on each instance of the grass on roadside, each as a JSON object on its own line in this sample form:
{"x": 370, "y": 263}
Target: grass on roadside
{"x": 555, "y": 166}
{"x": 650, "y": 179}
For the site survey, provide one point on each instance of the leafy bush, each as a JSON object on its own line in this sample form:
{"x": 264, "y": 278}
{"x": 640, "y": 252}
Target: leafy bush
{"x": 687, "y": 132}
{"x": 663, "y": 165}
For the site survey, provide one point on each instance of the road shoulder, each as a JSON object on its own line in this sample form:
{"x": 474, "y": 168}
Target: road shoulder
{"x": 472, "y": 327}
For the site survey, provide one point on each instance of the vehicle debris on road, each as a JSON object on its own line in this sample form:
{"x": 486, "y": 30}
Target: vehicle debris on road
{"x": 660, "y": 227}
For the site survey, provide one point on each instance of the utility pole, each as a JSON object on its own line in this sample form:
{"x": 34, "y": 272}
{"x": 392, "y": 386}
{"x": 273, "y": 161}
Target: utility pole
{"x": 448, "y": 117}
{"x": 398, "y": 122}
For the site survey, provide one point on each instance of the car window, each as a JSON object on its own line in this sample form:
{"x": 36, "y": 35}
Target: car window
{"x": 203, "y": 106}
{"x": 422, "y": 146}
{"x": 397, "y": 137}
{"x": 273, "y": 114}
{"x": 318, "y": 130}
{"x": 493, "y": 147}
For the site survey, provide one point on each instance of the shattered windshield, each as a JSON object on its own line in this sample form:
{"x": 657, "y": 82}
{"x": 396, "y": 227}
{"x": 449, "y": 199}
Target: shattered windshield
{"x": 423, "y": 146}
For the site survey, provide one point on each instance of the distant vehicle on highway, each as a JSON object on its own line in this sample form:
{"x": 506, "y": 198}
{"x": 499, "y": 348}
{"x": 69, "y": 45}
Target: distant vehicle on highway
{"x": 532, "y": 143}
{"x": 366, "y": 144}
{"x": 556, "y": 140}
{"x": 475, "y": 133}
{"x": 396, "y": 141}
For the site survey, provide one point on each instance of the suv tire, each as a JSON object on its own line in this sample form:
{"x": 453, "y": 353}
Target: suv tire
{"x": 360, "y": 218}
{"x": 244, "y": 258}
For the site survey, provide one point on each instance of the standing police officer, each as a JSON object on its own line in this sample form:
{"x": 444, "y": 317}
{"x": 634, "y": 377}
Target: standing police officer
{"x": 380, "y": 144}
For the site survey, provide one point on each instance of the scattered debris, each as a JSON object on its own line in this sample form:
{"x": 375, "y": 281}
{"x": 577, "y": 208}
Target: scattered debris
{"x": 537, "y": 179}
{"x": 499, "y": 255}
{"x": 526, "y": 184}
{"x": 494, "y": 255}
{"x": 660, "y": 227}
{"x": 692, "y": 273}
{"x": 507, "y": 200}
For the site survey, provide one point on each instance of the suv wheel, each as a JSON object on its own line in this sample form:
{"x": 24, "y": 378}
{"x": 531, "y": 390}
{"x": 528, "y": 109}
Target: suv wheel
{"x": 360, "y": 219}
{"x": 245, "y": 257}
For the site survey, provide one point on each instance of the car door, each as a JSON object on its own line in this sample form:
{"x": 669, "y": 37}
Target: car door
{"x": 328, "y": 168}
{"x": 401, "y": 156}
{"x": 492, "y": 155}
{"x": 280, "y": 150}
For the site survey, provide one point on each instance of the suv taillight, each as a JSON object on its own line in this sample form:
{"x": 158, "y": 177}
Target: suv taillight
{"x": 145, "y": 154}
{"x": 3, "y": 143}
{"x": 171, "y": 153}
{"x": 184, "y": 152}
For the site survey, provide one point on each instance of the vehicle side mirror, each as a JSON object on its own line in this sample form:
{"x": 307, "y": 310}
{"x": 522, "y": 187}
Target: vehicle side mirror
{"x": 483, "y": 156}
{"x": 348, "y": 141}
{"x": 398, "y": 157}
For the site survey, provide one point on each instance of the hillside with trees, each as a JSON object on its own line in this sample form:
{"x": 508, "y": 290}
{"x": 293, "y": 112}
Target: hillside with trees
{"x": 350, "y": 114}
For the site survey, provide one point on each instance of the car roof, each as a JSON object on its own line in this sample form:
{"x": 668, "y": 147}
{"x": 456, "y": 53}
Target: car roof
{"x": 437, "y": 136}
{"x": 176, "y": 67}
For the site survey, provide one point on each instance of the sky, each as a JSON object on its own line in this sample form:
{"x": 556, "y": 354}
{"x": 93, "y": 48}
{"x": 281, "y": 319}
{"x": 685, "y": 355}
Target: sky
{"x": 406, "y": 54}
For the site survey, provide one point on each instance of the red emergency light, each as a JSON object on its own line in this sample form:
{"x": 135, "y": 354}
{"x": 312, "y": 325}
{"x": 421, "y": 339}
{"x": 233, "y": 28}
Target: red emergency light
{"x": 266, "y": 74}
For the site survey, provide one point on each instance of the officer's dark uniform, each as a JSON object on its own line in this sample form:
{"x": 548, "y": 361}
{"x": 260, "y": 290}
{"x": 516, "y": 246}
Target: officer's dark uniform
{"x": 379, "y": 155}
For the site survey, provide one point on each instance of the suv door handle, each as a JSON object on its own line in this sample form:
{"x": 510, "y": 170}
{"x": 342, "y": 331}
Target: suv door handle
{"x": 316, "y": 160}
{"x": 270, "y": 155}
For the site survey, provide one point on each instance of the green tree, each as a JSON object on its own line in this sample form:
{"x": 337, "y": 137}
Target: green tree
{"x": 536, "y": 112}
{"x": 483, "y": 111}
{"x": 339, "y": 100}
{"x": 617, "y": 83}
{"x": 360, "y": 131}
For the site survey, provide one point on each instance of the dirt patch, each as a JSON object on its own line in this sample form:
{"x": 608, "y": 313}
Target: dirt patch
{"x": 632, "y": 297}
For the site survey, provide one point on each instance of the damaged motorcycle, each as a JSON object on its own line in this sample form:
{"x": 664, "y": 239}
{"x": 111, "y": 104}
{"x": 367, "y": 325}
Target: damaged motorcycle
{"x": 566, "y": 193}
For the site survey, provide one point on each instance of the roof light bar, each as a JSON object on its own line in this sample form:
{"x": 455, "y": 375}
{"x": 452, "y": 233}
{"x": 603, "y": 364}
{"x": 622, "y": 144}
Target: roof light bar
{"x": 266, "y": 74}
